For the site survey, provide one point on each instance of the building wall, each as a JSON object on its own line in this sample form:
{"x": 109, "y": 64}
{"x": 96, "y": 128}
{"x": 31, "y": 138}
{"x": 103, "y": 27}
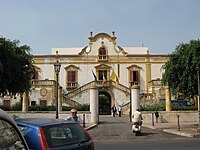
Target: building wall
{"x": 119, "y": 59}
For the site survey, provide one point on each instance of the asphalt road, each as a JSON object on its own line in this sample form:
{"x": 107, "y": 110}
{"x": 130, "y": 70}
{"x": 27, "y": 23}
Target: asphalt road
{"x": 114, "y": 133}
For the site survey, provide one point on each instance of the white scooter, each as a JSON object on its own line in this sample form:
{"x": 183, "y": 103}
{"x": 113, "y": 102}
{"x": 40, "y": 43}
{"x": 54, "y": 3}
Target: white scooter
{"x": 136, "y": 128}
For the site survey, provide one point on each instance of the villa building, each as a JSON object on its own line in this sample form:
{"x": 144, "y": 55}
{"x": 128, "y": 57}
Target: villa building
{"x": 103, "y": 63}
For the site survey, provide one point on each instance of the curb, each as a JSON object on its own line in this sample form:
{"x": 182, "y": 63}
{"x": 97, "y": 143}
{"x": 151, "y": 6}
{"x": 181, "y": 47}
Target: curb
{"x": 91, "y": 126}
{"x": 182, "y": 133}
{"x": 149, "y": 126}
{"x": 175, "y": 131}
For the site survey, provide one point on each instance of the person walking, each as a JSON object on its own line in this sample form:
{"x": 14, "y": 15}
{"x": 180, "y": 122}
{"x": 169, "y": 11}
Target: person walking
{"x": 120, "y": 110}
{"x": 114, "y": 110}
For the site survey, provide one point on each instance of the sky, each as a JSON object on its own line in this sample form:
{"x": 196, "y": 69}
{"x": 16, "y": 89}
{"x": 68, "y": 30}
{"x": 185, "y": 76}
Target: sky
{"x": 160, "y": 25}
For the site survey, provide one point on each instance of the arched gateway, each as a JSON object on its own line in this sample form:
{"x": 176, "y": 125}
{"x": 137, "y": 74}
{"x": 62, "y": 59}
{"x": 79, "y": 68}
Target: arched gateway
{"x": 104, "y": 103}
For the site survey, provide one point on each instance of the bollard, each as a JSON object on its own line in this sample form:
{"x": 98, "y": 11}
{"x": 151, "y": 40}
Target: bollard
{"x": 152, "y": 119}
{"x": 83, "y": 120}
{"x": 156, "y": 115}
{"x": 178, "y": 123}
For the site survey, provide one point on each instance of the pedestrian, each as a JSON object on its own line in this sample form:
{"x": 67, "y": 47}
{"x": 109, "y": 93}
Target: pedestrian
{"x": 120, "y": 110}
{"x": 156, "y": 115}
{"x": 73, "y": 116}
{"x": 114, "y": 110}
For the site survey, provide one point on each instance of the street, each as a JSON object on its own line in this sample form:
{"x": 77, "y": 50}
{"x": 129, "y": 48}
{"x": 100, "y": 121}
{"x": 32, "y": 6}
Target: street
{"x": 114, "y": 133}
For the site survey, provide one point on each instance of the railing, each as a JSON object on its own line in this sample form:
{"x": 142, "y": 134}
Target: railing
{"x": 132, "y": 83}
{"x": 80, "y": 89}
{"x": 70, "y": 101}
{"x": 98, "y": 84}
{"x": 72, "y": 85}
{"x": 43, "y": 82}
{"x": 103, "y": 58}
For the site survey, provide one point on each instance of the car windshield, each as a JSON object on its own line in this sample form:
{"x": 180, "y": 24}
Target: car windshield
{"x": 64, "y": 134}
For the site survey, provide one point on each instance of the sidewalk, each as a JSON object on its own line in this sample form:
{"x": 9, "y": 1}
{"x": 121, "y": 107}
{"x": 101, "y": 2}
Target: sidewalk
{"x": 188, "y": 129}
{"x": 90, "y": 126}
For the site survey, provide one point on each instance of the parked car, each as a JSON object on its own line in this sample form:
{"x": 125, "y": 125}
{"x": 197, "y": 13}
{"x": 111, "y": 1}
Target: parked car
{"x": 181, "y": 103}
{"x": 10, "y": 136}
{"x": 54, "y": 134}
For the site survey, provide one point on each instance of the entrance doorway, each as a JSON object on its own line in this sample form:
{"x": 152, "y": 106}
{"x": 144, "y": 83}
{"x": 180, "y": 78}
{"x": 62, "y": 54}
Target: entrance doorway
{"x": 104, "y": 103}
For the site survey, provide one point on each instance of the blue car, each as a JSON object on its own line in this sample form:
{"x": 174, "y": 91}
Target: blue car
{"x": 181, "y": 103}
{"x": 54, "y": 134}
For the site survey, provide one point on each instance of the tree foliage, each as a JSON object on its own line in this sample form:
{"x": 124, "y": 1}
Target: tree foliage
{"x": 16, "y": 69}
{"x": 181, "y": 69}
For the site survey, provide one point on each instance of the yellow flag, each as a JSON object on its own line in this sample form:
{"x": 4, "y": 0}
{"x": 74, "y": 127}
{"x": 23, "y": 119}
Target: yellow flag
{"x": 114, "y": 77}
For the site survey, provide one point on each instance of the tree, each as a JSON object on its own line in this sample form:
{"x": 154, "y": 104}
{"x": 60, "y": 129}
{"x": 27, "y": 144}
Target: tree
{"x": 181, "y": 69}
{"x": 16, "y": 69}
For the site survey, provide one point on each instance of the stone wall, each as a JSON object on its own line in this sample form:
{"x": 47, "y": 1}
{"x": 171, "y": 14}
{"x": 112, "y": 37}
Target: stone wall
{"x": 62, "y": 115}
{"x": 171, "y": 117}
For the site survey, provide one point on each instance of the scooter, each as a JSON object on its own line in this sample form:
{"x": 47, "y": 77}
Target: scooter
{"x": 136, "y": 128}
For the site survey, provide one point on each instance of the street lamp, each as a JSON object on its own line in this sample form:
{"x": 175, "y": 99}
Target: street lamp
{"x": 57, "y": 66}
{"x": 198, "y": 129}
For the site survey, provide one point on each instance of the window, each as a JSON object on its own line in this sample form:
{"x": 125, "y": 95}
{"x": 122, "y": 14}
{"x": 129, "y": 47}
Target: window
{"x": 102, "y": 54}
{"x": 35, "y": 75}
{"x": 71, "y": 77}
{"x": 102, "y": 74}
{"x": 33, "y": 103}
{"x": 43, "y": 103}
{"x": 64, "y": 134}
{"x": 6, "y": 103}
{"x": 134, "y": 75}
{"x": 134, "y": 78}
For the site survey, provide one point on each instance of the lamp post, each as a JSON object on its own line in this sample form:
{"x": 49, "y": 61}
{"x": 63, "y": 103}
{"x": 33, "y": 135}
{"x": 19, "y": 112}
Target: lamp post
{"x": 198, "y": 129}
{"x": 57, "y": 66}
{"x": 130, "y": 115}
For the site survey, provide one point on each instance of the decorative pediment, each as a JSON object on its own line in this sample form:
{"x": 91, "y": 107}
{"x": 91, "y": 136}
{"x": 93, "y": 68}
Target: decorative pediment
{"x": 134, "y": 67}
{"x": 102, "y": 36}
{"x": 83, "y": 50}
{"x": 102, "y": 66}
{"x": 36, "y": 68}
{"x": 71, "y": 67}
{"x": 122, "y": 50}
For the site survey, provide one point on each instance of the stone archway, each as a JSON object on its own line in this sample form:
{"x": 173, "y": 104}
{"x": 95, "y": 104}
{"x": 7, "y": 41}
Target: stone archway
{"x": 104, "y": 103}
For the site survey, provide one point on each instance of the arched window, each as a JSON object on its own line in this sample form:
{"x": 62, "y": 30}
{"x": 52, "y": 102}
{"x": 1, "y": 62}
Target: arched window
{"x": 134, "y": 75}
{"x": 71, "y": 77}
{"x": 102, "y": 54}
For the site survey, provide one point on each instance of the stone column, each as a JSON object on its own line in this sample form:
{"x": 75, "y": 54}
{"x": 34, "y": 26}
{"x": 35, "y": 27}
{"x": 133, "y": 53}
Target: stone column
{"x": 135, "y": 98}
{"x": 94, "y": 104}
{"x": 59, "y": 99}
{"x": 168, "y": 99}
{"x": 25, "y": 102}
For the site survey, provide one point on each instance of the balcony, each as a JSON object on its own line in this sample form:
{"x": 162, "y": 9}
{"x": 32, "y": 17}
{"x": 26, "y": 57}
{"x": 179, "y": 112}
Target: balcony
{"x": 71, "y": 85}
{"x": 37, "y": 83}
{"x": 133, "y": 83}
{"x": 103, "y": 58}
